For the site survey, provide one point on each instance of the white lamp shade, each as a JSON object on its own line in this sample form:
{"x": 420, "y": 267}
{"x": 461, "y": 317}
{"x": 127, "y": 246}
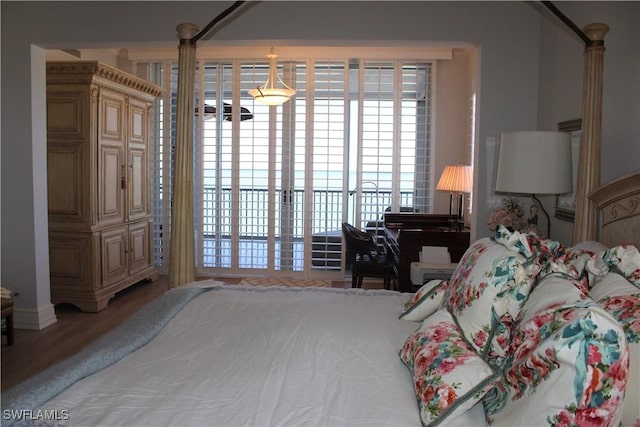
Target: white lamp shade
{"x": 456, "y": 178}
{"x": 535, "y": 162}
{"x": 274, "y": 91}
{"x": 272, "y": 96}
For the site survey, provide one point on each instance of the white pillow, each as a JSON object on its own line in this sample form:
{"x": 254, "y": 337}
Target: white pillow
{"x": 621, "y": 299}
{"x": 623, "y": 259}
{"x": 590, "y": 245}
{"x": 553, "y": 292}
{"x": 569, "y": 362}
{"x": 448, "y": 376}
{"x": 425, "y": 302}
{"x": 486, "y": 293}
{"x": 612, "y": 284}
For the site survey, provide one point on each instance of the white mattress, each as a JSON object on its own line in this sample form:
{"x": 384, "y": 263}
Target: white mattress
{"x": 261, "y": 357}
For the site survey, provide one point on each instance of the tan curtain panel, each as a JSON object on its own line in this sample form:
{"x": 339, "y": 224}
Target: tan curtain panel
{"x": 182, "y": 256}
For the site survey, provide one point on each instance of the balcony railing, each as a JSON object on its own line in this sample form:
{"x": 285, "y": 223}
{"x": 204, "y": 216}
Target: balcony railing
{"x": 327, "y": 208}
{"x": 326, "y": 239}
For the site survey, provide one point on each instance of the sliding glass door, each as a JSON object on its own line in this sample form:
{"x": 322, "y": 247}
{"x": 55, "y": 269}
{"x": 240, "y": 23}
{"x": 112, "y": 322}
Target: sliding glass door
{"x": 252, "y": 175}
{"x": 274, "y": 184}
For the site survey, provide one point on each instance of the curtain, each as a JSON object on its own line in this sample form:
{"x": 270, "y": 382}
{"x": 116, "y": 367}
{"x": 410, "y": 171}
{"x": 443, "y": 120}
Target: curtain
{"x": 585, "y": 226}
{"x": 182, "y": 256}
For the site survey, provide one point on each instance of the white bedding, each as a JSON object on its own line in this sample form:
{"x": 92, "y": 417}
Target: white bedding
{"x": 261, "y": 357}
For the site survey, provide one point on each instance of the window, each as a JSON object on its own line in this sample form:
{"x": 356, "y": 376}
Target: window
{"x": 273, "y": 190}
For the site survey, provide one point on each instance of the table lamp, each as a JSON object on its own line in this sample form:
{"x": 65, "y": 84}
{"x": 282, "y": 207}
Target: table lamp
{"x": 535, "y": 162}
{"x": 458, "y": 179}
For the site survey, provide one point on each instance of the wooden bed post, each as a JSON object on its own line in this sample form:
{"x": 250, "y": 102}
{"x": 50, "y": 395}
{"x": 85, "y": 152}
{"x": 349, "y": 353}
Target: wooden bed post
{"x": 585, "y": 226}
{"x": 182, "y": 246}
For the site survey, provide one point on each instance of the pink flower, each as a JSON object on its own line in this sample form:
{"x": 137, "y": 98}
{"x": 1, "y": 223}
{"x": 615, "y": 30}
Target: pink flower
{"x": 545, "y": 317}
{"x": 428, "y": 393}
{"x": 594, "y": 355}
{"x": 619, "y": 371}
{"x": 447, "y": 396}
{"x": 447, "y": 366}
{"x": 440, "y": 332}
{"x": 565, "y": 419}
{"x": 423, "y": 360}
{"x": 503, "y": 341}
{"x": 480, "y": 339}
{"x": 592, "y": 417}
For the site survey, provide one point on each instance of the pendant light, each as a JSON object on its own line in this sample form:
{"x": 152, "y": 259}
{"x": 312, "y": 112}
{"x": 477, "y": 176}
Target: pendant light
{"x": 269, "y": 93}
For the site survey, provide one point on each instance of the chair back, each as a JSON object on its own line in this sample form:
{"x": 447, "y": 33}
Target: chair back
{"x": 358, "y": 241}
{"x": 365, "y": 258}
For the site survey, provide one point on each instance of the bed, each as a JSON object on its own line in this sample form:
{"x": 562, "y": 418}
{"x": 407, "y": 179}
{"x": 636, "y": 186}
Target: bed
{"x": 240, "y": 355}
{"x": 619, "y": 204}
{"x": 211, "y": 353}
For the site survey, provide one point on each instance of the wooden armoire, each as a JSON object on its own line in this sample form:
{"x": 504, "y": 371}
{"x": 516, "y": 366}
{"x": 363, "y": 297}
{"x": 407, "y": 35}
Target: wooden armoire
{"x": 100, "y": 225}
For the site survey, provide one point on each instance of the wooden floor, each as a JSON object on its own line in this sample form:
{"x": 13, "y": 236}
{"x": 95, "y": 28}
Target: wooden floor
{"x": 34, "y": 351}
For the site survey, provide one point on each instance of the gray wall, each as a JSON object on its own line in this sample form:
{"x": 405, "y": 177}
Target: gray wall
{"x": 560, "y": 90}
{"x": 517, "y": 45}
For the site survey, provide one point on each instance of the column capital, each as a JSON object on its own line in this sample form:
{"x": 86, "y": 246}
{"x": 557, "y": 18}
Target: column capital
{"x": 596, "y": 31}
{"x": 187, "y": 30}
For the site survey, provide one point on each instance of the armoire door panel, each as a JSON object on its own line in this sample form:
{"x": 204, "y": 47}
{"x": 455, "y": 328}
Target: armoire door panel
{"x": 111, "y": 179}
{"x": 112, "y": 113}
{"x": 138, "y": 184}
{"x": 114, "y": 255}
{"x": 65, "y": 177}
{"x": 138, "y": 122}
{"x": 138, "y": 179}
{"x": 111, "y": 159}
{"x": 139, "y": 246}
{"x": 70, "y": 263}
{"x": 66, "y": 113}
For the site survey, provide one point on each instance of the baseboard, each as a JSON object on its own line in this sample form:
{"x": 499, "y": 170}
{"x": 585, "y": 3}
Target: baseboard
{"x": 34, "y": 319}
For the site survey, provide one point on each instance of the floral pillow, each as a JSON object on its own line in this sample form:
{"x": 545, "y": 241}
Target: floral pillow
{"x": 621, "y": 299}
{"x": 590, "y": 246}
{"x": 528, "y": 244}
{"x": 426, "y": 301}
{"x": 448, "y": 376}
{"x": 486, "y": 293}
{"x": 569, "y": 363}
{"x": 623, "y": 259}
{"x": 550, "y": 255}
{"x": 553, "y": 292}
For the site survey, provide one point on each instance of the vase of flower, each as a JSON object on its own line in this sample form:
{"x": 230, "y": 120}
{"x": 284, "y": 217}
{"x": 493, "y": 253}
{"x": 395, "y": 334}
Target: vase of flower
{"x": 510, "y": 214}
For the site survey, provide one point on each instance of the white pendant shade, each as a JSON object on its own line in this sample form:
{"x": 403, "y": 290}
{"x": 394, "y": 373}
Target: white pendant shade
{"x": 274, "y": 91}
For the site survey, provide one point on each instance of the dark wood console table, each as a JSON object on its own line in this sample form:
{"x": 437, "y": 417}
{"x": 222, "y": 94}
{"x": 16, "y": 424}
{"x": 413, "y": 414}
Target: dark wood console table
{"x": 407, "y": 233}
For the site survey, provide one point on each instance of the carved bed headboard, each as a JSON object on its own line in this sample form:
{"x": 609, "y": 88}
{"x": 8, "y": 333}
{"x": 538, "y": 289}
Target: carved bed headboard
{"x": 619, "y": 204}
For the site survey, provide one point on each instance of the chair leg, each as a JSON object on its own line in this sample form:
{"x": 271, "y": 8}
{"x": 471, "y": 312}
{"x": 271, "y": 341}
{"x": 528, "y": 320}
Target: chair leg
{"x": 354, "y": 280}
{"x": 360, "y": 279}
{"x": 387, "y": 283}
{"x": 9, "y": 325}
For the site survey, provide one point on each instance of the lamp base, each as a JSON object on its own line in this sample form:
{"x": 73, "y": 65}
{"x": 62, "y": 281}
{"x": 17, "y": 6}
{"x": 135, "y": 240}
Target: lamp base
{"x": 460, "y": 221}
{"x": 546, "y": 215}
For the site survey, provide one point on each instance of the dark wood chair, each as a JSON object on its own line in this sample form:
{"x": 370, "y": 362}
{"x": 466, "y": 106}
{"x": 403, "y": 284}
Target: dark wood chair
{"x": 366, "y": 258}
